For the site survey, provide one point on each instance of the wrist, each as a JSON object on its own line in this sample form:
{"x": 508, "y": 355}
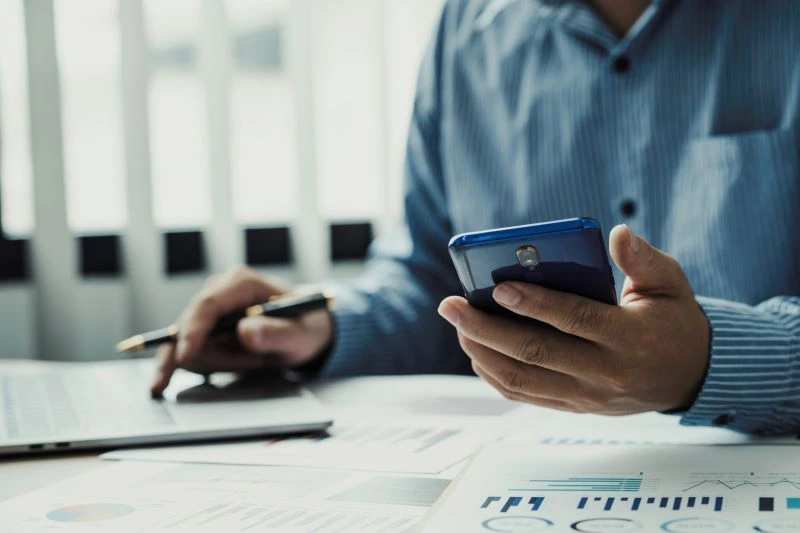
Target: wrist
{"x": 700, "y": 355}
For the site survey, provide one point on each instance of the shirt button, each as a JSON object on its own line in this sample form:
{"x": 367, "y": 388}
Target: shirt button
{"x": 627, "y": 208}
{"x": 621, "y": 64}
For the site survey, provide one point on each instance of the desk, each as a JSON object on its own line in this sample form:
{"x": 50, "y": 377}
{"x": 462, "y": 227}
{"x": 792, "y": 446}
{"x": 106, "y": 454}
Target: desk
{"x": 24, "y": 475}
{"x": 453, "y": 397}
{"x": 400, "y": 394}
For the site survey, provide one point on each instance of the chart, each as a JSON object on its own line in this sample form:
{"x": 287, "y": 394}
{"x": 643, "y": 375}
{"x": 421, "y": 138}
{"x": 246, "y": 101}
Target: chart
{"x": 516, "y": 487}
{"x": 90, "y": 512}
{"x": 368, "y": 445}
{"x": 743, "y": 483}
{"x": 582, "y": 484}
{"x": 145, "y": 497}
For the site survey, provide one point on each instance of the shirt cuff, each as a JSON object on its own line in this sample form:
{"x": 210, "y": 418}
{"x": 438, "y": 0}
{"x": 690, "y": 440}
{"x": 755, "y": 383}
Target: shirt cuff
{"x": 736, "y": 360}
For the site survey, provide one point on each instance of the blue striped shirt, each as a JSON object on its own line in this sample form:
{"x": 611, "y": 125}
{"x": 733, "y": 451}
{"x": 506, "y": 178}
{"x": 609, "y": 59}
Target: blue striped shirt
{"x": 686, "y": 129}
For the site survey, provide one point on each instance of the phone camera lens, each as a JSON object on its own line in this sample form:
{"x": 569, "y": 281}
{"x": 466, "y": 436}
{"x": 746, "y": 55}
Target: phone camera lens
{"x": 528, "y": 256}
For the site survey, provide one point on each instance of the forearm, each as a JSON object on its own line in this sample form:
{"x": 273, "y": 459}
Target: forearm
{"x": 753, "y": 379}
{"x": 386, "y": 323}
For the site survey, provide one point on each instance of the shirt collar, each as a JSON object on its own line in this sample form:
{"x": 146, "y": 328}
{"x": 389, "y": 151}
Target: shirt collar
{"x": 581, "y": 19}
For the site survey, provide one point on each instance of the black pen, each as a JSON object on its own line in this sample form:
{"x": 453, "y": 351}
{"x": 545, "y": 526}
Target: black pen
{"x": 291, "y": 305}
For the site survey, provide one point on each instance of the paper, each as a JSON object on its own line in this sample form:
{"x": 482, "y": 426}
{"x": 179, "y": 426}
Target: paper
{"x": 131, "y": 497}
{"x": 469, "y": 402}
{"x": 456, "y": 397}
{"x": 520, "y": 486}
{"x": 645, "y": 428}
{"x": 416, "y": 445}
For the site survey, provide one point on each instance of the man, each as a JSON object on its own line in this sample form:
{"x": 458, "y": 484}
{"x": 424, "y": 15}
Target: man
{"x": 678, "y": 118}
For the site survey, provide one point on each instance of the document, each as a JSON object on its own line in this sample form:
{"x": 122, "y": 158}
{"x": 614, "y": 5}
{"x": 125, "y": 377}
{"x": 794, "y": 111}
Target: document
{"x": 646, "y": 428}
{"x": 414, "y": 445}
{"x": 133, "y": 497}
{"x": 521, "y": 486}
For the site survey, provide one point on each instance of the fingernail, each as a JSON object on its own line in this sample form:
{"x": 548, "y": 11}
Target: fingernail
{"x": 449, "y": 313}
{"x": 507, "y": 295}
{"x": 633, "y": 239}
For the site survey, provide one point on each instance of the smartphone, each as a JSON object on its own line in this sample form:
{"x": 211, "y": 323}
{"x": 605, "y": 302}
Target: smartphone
{"x": 564, "y": 255}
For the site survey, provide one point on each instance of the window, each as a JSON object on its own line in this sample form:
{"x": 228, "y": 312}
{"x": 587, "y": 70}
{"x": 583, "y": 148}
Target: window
{"x": 16, "y": 184}
{"x": 262, "y": 114}
{"x": 178, "y": 120}
{"x": 88, "y": 47}
{"x": 349, "y": 107}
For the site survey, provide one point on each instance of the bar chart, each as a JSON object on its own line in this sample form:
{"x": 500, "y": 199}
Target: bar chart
{"x": 583, "y": 484}
{"x": 676, "y": 503}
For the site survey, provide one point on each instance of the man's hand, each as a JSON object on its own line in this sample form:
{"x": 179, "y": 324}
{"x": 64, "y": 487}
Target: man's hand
{"x": 648, "y": 354}
{"x": 258, "y": 342}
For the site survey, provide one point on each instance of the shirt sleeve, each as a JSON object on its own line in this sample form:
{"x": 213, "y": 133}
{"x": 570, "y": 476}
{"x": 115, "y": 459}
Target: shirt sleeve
{"x": 753, "y": 379}
{"x": 385, "y": 319}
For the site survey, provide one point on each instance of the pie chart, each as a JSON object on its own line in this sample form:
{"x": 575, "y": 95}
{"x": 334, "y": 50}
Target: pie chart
{"x": 90, "y": 512}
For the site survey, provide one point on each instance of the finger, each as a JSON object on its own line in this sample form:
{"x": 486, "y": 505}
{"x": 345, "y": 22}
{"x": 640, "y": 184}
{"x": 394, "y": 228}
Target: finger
{"x": 570, "y": 313}
{"x": 520, "y": 378}
{"x": 260, "y": 334}
{"x": 517, "y": 397}
{"x": 165, "y": 367}
{"x": 650, "y": 270}
{"x": 213, "y": 360}
{"x": 238, "y": 290}
{"x": 284, "y": 339}
{"x": 527, "y": 342}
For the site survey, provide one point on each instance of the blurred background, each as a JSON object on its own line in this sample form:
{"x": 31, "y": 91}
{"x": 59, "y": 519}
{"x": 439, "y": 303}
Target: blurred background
{"x": 145, "y": 144}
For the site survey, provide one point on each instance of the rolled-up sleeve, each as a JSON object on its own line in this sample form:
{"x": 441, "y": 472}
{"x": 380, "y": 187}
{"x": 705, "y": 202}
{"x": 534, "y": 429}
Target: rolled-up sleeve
{"x": 753, "y": 379}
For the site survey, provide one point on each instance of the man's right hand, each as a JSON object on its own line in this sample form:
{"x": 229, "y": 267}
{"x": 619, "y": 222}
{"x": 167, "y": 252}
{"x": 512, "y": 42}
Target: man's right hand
{"x": 259, "y": 341}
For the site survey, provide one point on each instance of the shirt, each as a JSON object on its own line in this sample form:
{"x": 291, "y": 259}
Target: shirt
{"x": 686, "y": 129}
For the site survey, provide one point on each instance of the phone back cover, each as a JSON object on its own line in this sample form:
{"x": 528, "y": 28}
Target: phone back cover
{"x": 571, "y": 261}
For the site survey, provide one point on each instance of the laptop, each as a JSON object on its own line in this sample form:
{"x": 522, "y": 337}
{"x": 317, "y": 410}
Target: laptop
{"x": 61, "y": 406}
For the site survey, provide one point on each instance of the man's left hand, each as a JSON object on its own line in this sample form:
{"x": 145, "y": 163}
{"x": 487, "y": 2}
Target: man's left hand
{"x": 650, "y": 353}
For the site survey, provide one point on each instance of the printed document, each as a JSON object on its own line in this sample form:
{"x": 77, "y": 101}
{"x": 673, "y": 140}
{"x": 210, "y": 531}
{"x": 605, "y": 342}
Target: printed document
{"x": 145, "y": 497}
{"x": 521, "y": 486}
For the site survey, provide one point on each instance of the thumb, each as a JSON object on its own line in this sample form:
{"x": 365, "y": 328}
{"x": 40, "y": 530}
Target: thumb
{"x": 261, "y": 334}
{"x": 648, "y": 268}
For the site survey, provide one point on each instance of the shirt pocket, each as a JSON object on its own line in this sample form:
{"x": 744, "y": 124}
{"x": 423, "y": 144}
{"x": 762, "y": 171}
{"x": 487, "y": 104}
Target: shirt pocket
{"x": 733, "y": 218}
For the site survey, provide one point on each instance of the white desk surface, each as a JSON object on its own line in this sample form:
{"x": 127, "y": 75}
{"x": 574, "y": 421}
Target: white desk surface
{"x": 455, "y": 397}
{"x": 24, "y": 474}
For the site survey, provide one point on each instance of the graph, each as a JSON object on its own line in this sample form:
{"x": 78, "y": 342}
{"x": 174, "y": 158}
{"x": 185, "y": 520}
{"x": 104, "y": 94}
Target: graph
{"x": 669, "y": 503}
{"x": 90, "y": 512}
{"x": 583, "y": 484}
{"x": 735, "y": 484}
{"x": 512, "y": 502}
{"x": 419, "y": 447}
{"x": 408, "y": 439}
{"x": 250, "y": 517}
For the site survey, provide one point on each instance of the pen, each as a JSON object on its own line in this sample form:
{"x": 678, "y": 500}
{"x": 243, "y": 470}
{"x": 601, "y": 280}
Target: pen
{"x": 291, "y": 305}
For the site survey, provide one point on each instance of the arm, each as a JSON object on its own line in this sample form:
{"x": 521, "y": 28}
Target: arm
{"x": 386, "y": 320}
{"x": 753, "y": 379}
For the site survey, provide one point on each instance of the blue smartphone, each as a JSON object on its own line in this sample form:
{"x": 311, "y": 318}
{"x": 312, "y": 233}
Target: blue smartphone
{"x": 564, "y": 255}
